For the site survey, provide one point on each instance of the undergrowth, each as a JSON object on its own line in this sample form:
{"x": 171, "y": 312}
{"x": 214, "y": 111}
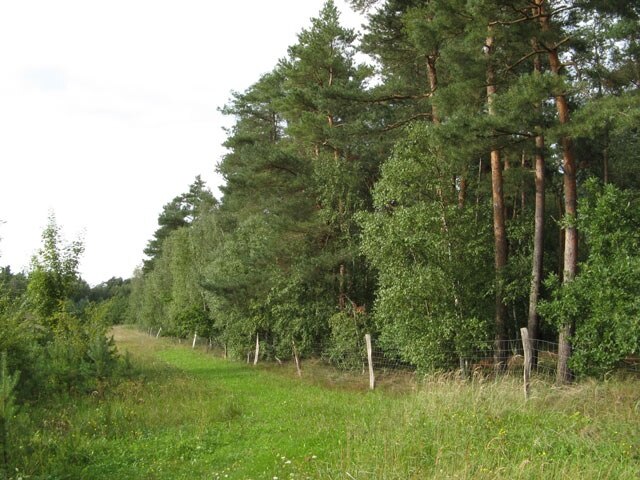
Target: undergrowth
{"x": 186, "y": 414}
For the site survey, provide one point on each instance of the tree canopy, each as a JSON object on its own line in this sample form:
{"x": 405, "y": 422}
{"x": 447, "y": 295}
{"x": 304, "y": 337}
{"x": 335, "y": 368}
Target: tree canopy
{"x": 423, "y": 197}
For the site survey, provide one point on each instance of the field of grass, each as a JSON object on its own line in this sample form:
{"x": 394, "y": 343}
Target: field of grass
{"x": 185, "y": 414}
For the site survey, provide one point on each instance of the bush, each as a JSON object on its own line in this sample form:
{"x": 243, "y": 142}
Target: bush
{"x": 347, "y": 348}
{"x": 8, "y": 410}
{"x": 602, "y": 301}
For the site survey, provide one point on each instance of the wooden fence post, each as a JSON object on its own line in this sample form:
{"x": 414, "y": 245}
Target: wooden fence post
{"x": 158, "y": 334}
{"x": 526, "y": 344}
{"x": 295, "y": 356}
{"x": 195, "y": 337}
{"x": 372, "y": 378}
{"x": 464, "y": 367}
{"x": 255, "y": 359}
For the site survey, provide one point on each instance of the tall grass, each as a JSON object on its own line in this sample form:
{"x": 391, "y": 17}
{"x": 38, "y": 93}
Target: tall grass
{"x": 185, "y": 414}
{"x": 458, "y": 430}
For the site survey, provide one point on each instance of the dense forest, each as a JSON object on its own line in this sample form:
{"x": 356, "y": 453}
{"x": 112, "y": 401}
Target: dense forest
{"x": 460, "y": 170}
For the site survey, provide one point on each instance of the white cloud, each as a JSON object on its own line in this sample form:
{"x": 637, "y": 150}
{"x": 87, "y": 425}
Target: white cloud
{"x": 45, "y": 78}
{"x": 109, "y": 109}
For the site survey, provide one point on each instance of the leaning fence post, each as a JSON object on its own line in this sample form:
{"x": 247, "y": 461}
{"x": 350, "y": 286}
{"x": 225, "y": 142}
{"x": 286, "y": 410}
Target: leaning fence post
{"x": 195, "y": 337}
{"x": 372, "y": 378}
{"x": 526, "y": 344}
{"x": 295, "y": 356}
{"x": 158, "y": 334}
{"x": 255, "y": 360}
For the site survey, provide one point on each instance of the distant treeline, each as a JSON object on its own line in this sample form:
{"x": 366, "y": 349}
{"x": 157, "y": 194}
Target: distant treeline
{"x": 479, "y": 176}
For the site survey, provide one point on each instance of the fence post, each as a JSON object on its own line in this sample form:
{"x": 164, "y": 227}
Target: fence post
{"x": 526, "y": 344}
{"x": 372, "y": 378}
{"x": 195, "y": 337}
{"x": 295, "y": 356}
{"x": 158, "y": 334}
{"x": 464, "y": 367}
{"x": 255, "y": 360}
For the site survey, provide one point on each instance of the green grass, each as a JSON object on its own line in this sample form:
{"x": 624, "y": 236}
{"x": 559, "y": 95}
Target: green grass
{"x": 186, "y": 414}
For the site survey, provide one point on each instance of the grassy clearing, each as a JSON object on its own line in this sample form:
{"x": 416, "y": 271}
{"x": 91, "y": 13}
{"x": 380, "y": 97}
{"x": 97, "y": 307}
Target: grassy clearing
{"x": 186, "y": 414}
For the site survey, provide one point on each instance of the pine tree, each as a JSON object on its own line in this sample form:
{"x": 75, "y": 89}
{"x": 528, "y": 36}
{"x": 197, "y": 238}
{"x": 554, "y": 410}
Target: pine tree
{"x": 178, "y": 213}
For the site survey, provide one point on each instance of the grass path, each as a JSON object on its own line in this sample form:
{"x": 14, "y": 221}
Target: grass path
{"x": 196, "y": 416}
{"x": 188, "y": 415}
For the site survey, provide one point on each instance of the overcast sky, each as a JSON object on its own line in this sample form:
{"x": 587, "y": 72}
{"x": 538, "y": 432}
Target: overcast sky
{"x": 108, "y": 110}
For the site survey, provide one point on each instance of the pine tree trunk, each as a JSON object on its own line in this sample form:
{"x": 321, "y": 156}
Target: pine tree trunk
{"x": 433, "y": 84}
{"x": 341, "y": 293}
{"x": 523, "y": 194}
{"x": 462, "y": 191}
{"x": 570, "y": 234}
{"x": 570, "y": 261}
{"x": 538, "y": 234}
{"x": 499, "y": 229}
{"x": 605, "y": 165}
{"x": 538, "y": 246}
{"x": 570, "y": 240}
{"x": 500, "y": 241}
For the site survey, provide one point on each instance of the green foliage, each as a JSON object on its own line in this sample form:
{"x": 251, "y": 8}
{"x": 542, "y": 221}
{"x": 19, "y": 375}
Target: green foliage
{"x": 346, "y": 343}
{"x": 12, "y": 287}
{"x": 77, "y": 357}
{"x": 112, "y": 300}
{"x": 293, "y": 315}
{"x": 54, "y": 272}
{"x": 427, "y": 305}
{"x": 8, "y": 410}
{"x": 293, "y": 183}
{"x": 102, "y": 354}
{"x": 180, "y": 212}
{"x": 602, "y": 301}
{"x": 56, "y": 341}
{"x": 20, "y": 340}
{"x": 373, "y": 184}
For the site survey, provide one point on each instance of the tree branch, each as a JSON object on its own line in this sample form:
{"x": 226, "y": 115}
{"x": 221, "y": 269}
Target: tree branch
{"x": 528, "y": 55}
{"x": 404, "y": 122}
{"x": 395, "y": 98}
{"x": 526, "y": 17}
{"x": 555, "y": 47}
{"x": 273, "y": 166}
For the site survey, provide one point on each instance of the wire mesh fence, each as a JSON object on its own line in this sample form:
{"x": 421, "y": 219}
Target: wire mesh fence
{"x": 488, "y": 359}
